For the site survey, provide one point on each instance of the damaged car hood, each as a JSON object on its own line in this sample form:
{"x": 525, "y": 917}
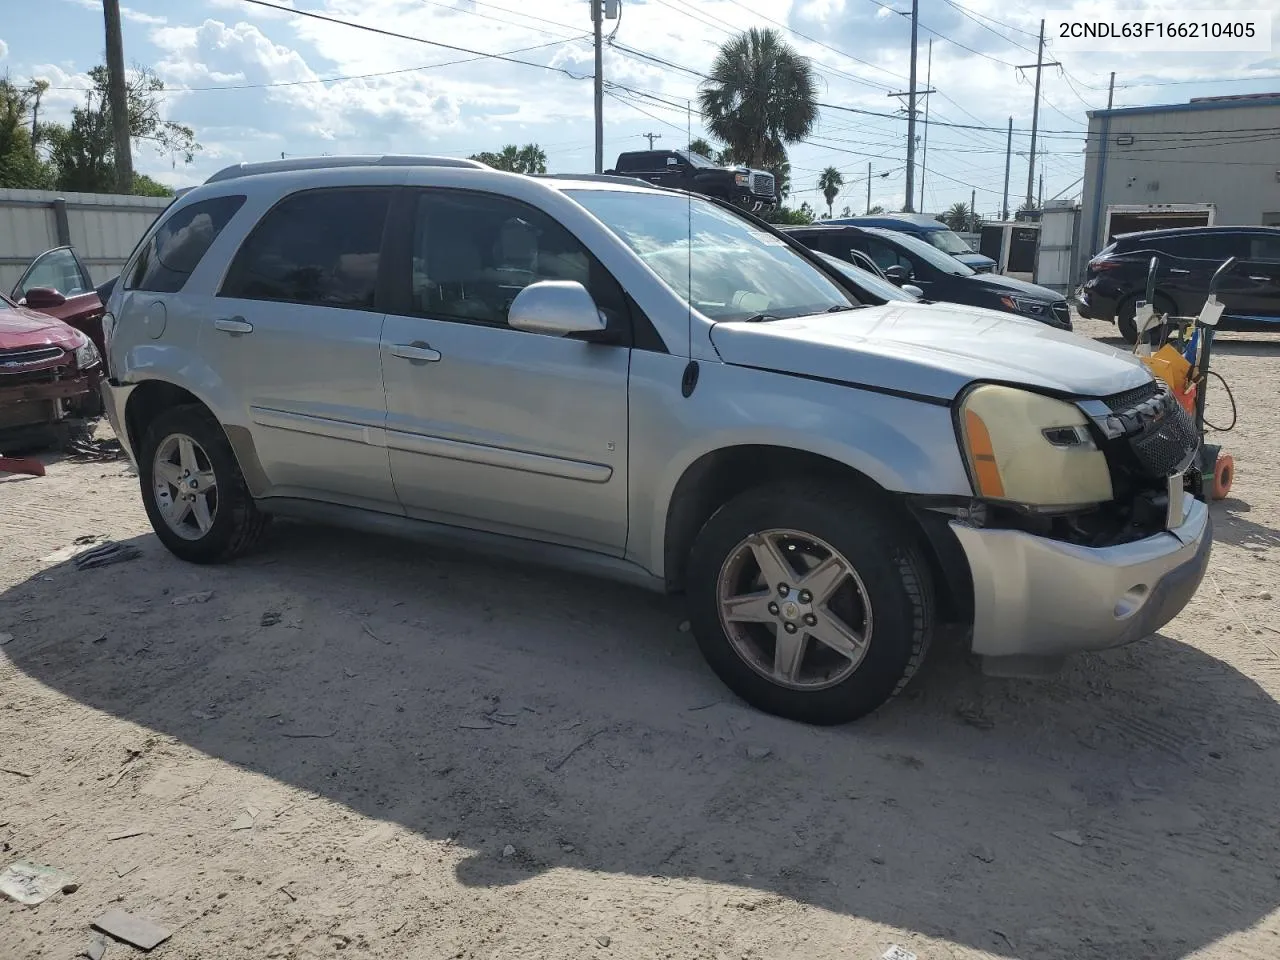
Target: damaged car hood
{"x": 929, "y": 349}
{"x": 20, "y": 327}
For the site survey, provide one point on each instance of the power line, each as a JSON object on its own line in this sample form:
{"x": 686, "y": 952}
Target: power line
{"x": 971, "y": 15}
{"x": 485, "y": 16}
{"x": 1008, "y": 26}
{"x": 943, "y": 36}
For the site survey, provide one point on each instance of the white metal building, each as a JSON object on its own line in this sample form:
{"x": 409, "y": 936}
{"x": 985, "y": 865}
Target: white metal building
{"x": 1213, "y": 160}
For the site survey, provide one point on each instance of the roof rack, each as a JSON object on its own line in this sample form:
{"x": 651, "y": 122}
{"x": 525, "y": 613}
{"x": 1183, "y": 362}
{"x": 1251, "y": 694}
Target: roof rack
{"x": 326, "y": 163}
{"x": 599, "y": 178}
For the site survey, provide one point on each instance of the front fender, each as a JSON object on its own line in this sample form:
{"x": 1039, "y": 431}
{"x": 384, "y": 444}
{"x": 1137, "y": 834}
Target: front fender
{"x": 903, "y": 445}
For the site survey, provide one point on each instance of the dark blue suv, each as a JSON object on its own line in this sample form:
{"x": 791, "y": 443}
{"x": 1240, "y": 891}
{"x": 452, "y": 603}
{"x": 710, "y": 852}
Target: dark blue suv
{"x": 931, "y": 231}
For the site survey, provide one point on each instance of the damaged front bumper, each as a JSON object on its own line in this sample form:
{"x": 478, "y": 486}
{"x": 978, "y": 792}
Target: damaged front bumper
{"x": 37, "y": 402}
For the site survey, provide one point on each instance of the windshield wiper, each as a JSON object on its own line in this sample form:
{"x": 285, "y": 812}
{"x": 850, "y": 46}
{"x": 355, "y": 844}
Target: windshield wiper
{"x": 841, "y": 308}
{"x": 761, "y": 318}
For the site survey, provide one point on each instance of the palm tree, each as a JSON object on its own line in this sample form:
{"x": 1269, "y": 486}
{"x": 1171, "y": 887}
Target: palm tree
{"x": 876, "y": 209}
{"x": 957, "y": 216}
{"x": 829, "y": 182}
{"x": 531, "y": 159}
{"x": 702, "y": 148}
{"x": 782, "y": 178}
{"x": 759, "y": 97}
{"x": 846, "y": 212}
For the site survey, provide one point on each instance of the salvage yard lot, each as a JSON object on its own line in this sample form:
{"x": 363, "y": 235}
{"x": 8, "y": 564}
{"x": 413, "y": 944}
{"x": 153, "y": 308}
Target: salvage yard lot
{"x": 363, "y": 748}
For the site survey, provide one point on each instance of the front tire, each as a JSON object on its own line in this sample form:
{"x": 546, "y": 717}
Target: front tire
{"x": 193, "y": 490}
{"x": 810, "y": 601}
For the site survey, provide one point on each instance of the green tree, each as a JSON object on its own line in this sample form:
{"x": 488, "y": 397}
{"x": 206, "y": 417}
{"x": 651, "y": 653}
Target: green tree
{"x": 846, "y": 212}
{"x": 20, "y": 167}
{"x": 829, "y": 182}
{"x": 530, "y": 158}
{"x": 759, "y": 97}
{"x": 957, "y": 216}
{"x": 788, "y": 215}
{"x": 782, "y": 178}
{"x": 702, "y": 148}
{"x": 876, "y": 209}
{"x": 83, "y": 152}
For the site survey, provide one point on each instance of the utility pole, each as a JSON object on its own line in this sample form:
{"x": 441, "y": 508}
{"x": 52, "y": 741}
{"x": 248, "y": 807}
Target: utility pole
{"x": 1039, "y": 66}
{"x": 597, "y": 16}
{"x": 868, "y": 188}
{"x": 118, "y": 96}
{"x": 1040, "y": 202}
{"x": 651, "y": 137}
{"x": 1111, "y": 89}
{"x": 924, "y": 160}
{"x": 973, "y": 214}
{"x": 1008, "y": 159}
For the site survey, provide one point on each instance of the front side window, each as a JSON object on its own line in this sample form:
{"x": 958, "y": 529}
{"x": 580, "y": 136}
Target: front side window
{"x": 915, "y": 247}
{"x": 174, "y": 251}
{"x": 721, "y": 263}
{"x": 57, "y": 270}
{"x": 947, "y": 242}
{"x": 885, "y": 255}
{"x": 473, "y": 252}
{"x": 320, "y": 247}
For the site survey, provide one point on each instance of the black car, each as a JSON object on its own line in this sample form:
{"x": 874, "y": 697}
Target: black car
{"x": 686, "y": 170}
{"x": 907, "y": 259}
{"x": 1116, "y": 279}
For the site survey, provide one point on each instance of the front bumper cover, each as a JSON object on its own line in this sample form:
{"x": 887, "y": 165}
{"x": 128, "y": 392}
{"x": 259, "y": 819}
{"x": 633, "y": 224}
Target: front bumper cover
{"x": 114, "y": 398}
{"x": 1041, "y": 598}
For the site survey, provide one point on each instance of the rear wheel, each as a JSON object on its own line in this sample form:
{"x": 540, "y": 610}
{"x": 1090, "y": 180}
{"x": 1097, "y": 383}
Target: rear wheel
{"x": 809, "y": 602}
{"x": 192, "y": 488}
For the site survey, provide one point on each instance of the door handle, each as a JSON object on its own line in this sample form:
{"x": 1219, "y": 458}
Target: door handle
{"x": 1176, "y": 270}
{"x": 1260, "y": 279}
{"x": 415, "y": 351}
{"x": 233, "y": 325}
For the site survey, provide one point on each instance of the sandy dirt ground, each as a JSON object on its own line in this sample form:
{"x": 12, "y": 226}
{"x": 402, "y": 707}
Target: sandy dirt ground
{"x": 435, "y": 756}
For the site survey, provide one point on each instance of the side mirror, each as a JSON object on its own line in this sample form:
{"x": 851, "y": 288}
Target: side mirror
{"x": 41, "y": 298}
{"x": 912, "y": 289}
{"x": 897, "y": 273}
{"x": 555, "y": 307}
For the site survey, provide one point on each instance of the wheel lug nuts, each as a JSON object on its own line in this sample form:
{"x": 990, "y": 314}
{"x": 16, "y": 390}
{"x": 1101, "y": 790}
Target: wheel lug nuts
{"x": 810, "y": 620}
{"x": 805, "y": 596}
{"x": 789, "y": 627}
{"x": 783, "y": 589}
{"x": 773, "y": 608}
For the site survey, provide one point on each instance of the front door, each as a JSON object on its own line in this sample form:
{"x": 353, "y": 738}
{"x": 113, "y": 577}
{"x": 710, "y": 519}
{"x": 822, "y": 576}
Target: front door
{"x": 490, "y": 427}
{"x": 1260, "y": 272}
{"x": 294, "y": 337}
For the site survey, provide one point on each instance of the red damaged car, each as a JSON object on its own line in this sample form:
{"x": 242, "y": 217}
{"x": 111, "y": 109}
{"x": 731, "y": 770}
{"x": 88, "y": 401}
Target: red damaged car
{"x": 48, "y": 369}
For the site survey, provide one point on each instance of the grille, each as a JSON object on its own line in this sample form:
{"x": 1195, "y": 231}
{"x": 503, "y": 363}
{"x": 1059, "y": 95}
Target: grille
{"x": 1131, "y": 398}
{"x": 10, "y": 359}
{"x": 1062, "y": 313}
{"x": 1164, "y": 449}
{"x": 762, "y": 183}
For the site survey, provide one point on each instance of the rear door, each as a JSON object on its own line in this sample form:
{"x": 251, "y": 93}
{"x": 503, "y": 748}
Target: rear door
{"x": 1259, "y": 277}
{"x": 294, "y": 334}
{"x": 1187, "y": 265}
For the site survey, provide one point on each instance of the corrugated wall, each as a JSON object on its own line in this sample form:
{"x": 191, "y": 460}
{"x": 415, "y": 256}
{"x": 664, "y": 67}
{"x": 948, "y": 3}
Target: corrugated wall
{"x": 103, "y": 228}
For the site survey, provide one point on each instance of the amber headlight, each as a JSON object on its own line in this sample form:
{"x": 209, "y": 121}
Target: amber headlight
{"x": 1032, "y": 450}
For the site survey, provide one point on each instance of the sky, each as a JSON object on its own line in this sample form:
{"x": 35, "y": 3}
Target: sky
{"x": 256, "y": 82}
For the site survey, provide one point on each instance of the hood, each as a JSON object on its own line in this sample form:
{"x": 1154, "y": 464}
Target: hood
{"x": 20, "y": 327}
{"x": 975, "y": 260}
{"x": 930, "y": 349}
{"x": 998, "y": 283}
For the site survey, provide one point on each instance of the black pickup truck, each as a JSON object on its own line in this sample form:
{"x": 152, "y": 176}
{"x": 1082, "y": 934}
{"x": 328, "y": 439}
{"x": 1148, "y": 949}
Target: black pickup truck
{"x": 685, "y": 170}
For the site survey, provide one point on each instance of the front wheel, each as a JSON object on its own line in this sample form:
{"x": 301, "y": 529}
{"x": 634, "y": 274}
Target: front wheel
{"x": 809, "y": 602}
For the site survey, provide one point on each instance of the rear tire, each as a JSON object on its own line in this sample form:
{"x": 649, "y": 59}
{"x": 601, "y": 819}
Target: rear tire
{"x": 885, "y": 598}
{"x": 229, "y": 523}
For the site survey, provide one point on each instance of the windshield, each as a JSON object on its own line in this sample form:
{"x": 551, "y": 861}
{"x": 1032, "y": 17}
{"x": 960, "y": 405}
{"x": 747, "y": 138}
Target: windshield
{"x": 876, "y": 286}
{"x": 733, "y": 271}
{"x": 930, "y": 254}
{"x": 697, "y": 159}
{"x": 947, "y": 242}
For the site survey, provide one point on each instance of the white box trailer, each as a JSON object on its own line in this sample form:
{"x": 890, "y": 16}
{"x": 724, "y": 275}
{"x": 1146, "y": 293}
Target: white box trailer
{"x": 1133, "y": 217}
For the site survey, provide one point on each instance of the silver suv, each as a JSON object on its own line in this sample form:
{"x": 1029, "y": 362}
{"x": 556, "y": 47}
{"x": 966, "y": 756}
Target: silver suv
{"x": 651, "y": 386}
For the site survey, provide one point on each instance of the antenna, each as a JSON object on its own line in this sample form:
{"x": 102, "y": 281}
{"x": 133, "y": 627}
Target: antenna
{"x": 688, "y": 119}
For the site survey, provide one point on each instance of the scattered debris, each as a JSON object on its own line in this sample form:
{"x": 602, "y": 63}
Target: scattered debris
{"x": 982, "y": 853}
{"x": 100, "y": 639}
{"x": 126, "y": 836}
{"x": 896, "y": 952}
{"x": 83, "y": 449}
{"x": 285, "y": 891}
{"x": 246, "y": 820}
{"x": 270, "y": 618}
{"x": 309, "y": 736}
{"x": 475, "y": 725}
{"x": 603, "y": 941}
{"x": 125, "y": 871}
{"x": 5, "y": 638}
{"x": 1070, "y": 836}
{"x": 135, "y": 931}
{"x": 25, "y": 774}
{"x": 567, "y": 847}
{"x": 878, "y": 861}
{"x": 974, "y": 717}
{"x": 31, "y": 884}
{"x": 702, "y": 706}
{"x": 97, "y": 948}
{"x": 69, "y": 888}
{"x": 187, "y": 599}
{"x": 508, "y": 851}
{"x": 554, "y": 765}
{"x": 106, "y": 555}
{"x": 906, "y": 759}
{"x": 25, "y": 465}
{"x": 758, "y": 753}
{"x": 369, "y": 630}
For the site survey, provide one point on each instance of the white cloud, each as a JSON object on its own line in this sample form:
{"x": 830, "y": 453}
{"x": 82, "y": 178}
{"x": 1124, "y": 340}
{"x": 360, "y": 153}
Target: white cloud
{"x": 126, "y": 13}
{"x": 4, "y": 49}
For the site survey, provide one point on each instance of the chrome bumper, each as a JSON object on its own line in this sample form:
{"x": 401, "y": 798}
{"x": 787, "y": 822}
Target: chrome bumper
{"x": 114, "y": 399}
{"x": 1038, "y": 598}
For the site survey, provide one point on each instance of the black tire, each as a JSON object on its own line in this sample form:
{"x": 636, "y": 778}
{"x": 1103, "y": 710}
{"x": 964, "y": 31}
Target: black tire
{"x": 887, "y": 559}
{"x": 237, "y": 523}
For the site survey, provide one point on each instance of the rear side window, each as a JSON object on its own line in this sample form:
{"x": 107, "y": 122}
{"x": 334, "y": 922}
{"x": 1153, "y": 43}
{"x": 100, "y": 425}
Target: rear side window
{"x": 1204, "y": 246}
{"x": 320, "y": 247}
{"x": 1264, "y": 248}
{"x": 174, "y": 251}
